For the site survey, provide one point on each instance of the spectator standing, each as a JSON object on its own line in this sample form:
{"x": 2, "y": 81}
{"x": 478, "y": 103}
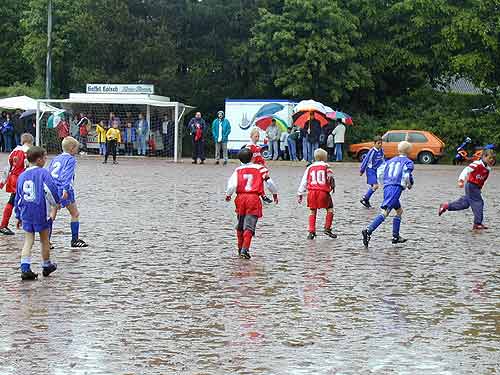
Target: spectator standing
{"x": 313, "y": 131}
{"x": 3, "y": 117}
{"x": 221, "y": 128}
{"x": 8, "y": 133}
{"x": 339, "y": 138}
{"x": 165, "y": 125}
{"x": 197, "y": 126}
{"x": 330, "y": 145}
{"x": 284, "y": 145}
{"x": 129, "y": 137}
{"x": 273, "y": 135}
{"x": 62, "y": 129}
{"x": 18, "y": 127}
{"x": 293, "y": 138}
{"x": 83, "y": 126}
{"x": 142, "y": 133}
{"x": 112, "y": 118}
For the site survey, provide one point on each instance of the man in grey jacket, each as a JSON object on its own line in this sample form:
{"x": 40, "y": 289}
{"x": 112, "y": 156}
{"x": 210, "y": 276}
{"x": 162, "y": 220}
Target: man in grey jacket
{"x": 273, "y": 135}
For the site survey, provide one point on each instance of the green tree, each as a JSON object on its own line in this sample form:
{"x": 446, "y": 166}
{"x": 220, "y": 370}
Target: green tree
{"x": 307, "y": 50}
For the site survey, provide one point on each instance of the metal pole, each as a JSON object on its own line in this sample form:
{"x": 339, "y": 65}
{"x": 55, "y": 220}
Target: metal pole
{"x": 176, "y": 132}
{"x": 37, "y": 135}
{"x": 148, "y": 119}
{"x": 48, "y": 66}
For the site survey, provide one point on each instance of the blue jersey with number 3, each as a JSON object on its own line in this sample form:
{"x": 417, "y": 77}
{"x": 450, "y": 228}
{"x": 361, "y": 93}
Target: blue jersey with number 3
{"x": 62, "y": 170}
{"x": 398, "y": 171}
{"x": 35, "y": 192}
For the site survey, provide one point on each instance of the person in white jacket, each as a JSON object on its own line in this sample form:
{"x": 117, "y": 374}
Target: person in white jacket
{"x": 339, "y": 138}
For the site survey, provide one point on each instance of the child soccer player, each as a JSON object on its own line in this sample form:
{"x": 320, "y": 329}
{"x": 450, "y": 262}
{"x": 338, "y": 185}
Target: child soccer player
{"x": 35, "y": 190}
{"x": 473, "y": 177}
{"x": 17, "y": 165}
{"x": 319, "y": 182}
{"x": 114, "y": 137}
{"x": 257, "y": 157}
{"x": 101, "y": 130}
{"x": 62, "y": 170}
{"x": 372, "y": 161}
{"x": 397, "y": 175}
{"x": 248, "y": 182}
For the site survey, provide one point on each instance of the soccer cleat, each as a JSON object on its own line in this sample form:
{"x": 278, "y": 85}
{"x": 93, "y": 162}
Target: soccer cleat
{"x": 479, "y": 227}
{"x": 49, "y": 269}
{"x": 443, "y": 207}
{"x": 51, "y": 246}
{"x": 365, "y": 202}
{"x": 245, "y": 254}
{"x": 398, "y": 239}
{"x": 266, "y": 199}
{"x": 311, "y": 236}
{"x": 329, "y": 233}
{"x": 29, "y": 275}
{"x": 366, "y": 237}
{"x": 194, "y": 162}
{"x": 6, "y": 231}
{"x": 239, "y": 252}
{"x": 79, "y": 243}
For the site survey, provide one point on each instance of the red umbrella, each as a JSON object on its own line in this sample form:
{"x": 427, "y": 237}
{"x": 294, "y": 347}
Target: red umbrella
{"x": 300, "y": 118}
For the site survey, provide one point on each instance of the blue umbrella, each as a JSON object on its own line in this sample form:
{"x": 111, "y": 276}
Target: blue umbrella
{"x": 28, "y": 113}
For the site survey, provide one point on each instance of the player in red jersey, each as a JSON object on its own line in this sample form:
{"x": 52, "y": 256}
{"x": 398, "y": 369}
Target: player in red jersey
{"x": 257, "y": 157}
{"x": 318, "y": 181}
{"x": 473, "y": 179}
{"x": 17, "y": 165}
{"x": 248, "y": 181}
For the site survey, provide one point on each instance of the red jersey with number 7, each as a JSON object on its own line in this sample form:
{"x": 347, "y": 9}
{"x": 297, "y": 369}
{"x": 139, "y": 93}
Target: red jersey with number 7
{"x": 317, "y": 177}
{"x": 251, "y": 179}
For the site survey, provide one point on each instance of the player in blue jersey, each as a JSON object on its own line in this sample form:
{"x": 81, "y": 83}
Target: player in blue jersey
{"x": 397, "y": 175}
{"x": 35, "y": 192}
{"x": 372, "y": 161}
{"x": 62, "y": 170}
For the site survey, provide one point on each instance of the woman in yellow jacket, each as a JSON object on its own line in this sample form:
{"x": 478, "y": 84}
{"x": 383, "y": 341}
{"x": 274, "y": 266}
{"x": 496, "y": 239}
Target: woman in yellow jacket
{"x": 113, "y": 137}
{"x": 101, "y": 136}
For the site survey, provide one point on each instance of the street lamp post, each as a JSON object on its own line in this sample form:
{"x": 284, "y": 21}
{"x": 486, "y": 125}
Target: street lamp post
{"x": 48, "y": 66}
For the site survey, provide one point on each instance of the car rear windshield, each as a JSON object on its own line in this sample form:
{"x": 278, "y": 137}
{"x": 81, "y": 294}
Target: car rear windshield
{"x": 395, "y": 137}
{"x": 417, "y": 138}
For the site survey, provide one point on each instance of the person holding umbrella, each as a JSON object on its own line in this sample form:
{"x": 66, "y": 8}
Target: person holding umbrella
{"x": 313, "y": 130}
{"x": 339, "y": 138}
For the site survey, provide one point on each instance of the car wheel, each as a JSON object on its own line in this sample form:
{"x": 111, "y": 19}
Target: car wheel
{"x": 362, "y": 155}
{"x": 426, "y": 157}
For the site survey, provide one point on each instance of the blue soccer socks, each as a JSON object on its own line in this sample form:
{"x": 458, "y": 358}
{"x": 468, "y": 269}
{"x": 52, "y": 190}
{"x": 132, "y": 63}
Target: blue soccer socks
{"x": 396, "y": 224}
{"x": 369, "y": 193}
{"x": 379, "y": 219}
{"x": 25, "y": 264}
{"x": 75, "y": 228}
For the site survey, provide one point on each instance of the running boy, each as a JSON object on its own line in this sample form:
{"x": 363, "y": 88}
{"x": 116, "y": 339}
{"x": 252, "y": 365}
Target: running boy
{"x": 17, "y": 165}
{"x": 248, "y": 182}
{"x": 473, "y": 177}
{"x": 397, "y": 175}
{"x": 319, "y": 182}
{"x": 257, "y": 157}
{"x": 372, "y": 161}
{"x": 35, "y": 191}
{"x": 62, "y": 170}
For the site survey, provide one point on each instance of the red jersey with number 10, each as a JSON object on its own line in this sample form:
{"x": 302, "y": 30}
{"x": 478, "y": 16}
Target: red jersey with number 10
{"x": 318, "y": 176}
{"x": 256, "y": 154}
{"x": 251, "y": 179}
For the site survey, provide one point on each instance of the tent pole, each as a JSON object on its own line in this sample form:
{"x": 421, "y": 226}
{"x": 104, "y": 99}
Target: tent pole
{"x": 176, "y": 132}
{"x": 148, "y": 119}
{"x": 37, "y": 134}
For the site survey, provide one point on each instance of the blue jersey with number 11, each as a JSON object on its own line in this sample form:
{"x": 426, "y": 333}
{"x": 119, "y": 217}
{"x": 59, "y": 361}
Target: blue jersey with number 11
{"x": 398, "y": 171}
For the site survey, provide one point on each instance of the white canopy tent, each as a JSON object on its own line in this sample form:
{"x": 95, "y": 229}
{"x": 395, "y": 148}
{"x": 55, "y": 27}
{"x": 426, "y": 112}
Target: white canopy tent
{"x": 147, "y": 100}
{"x": 25, "y": 103}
